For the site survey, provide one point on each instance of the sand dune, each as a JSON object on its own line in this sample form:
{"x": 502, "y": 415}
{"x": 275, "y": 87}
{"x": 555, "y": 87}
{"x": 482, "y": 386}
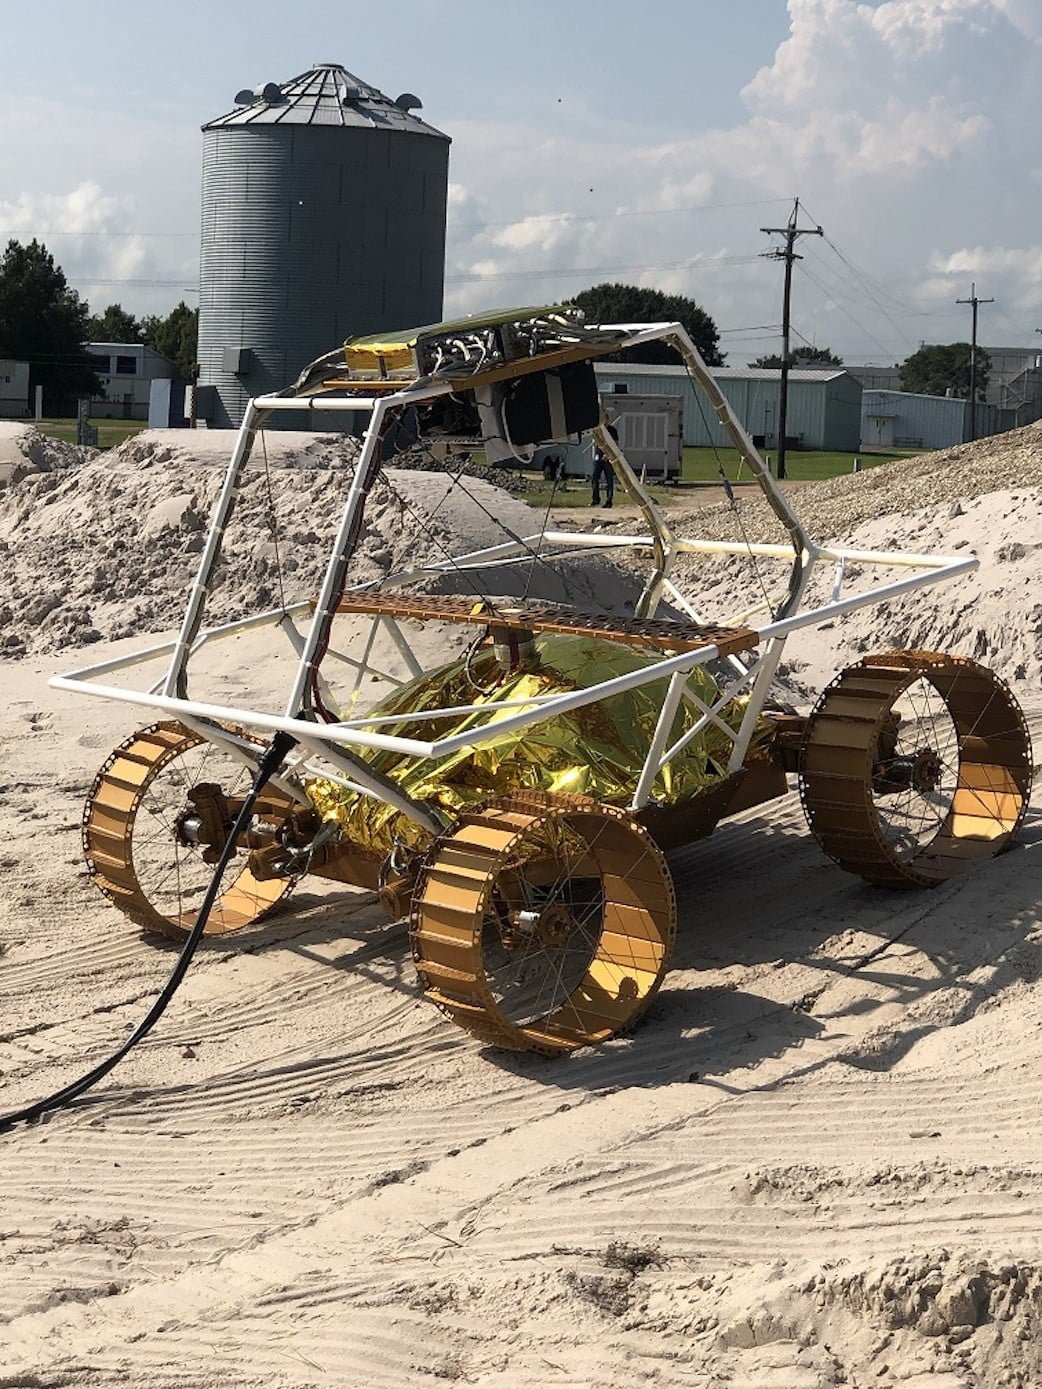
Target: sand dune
{"x": 816, "y": 1162}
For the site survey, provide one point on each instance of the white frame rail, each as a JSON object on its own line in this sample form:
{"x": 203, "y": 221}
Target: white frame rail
{"x": 344, "y": 743}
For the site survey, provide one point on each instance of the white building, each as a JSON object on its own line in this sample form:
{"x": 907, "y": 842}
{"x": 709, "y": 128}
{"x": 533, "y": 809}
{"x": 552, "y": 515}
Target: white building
{"x": 824, "y": 406}
{"x": 127, "y": 370}
{"x": 1014, "y": 384}
{"x": 902, "y": 420}
{"x": 14, "y": 390}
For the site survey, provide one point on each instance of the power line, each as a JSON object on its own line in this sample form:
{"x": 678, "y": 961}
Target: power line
{"x": 534, "y": 274}
{"x": 477, "y": 278}
{"x": 454, "y": 226}
{"x": 57, "y": 231}
{"x": 792, "y": 232}
{"x": 191, "y": 285}
{"x": 975, "y": 302}
{"x": 875, "y": 300}
{"x": 611, "y": 216}
{"x": 887, "y": 351}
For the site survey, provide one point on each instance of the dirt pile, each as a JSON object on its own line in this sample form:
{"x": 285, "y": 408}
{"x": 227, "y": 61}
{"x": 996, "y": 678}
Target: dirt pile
{"x": 933, "y": 1314}
{"x": 25, "y": 451}
{"x": 1002, "y": 463}
{"x": 107, "y": 546}
{"x": 998, "y": 464}
{"x": 993, "y": 614}
{"x": 983, "y": 499}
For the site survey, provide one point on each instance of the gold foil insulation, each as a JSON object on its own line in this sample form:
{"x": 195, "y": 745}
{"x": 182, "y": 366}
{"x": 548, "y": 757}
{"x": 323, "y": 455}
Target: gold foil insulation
{"x": 597, "y": 750}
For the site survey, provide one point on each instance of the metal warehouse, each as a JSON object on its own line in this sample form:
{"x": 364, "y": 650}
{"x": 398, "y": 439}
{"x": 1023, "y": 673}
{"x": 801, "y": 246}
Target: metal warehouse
{"x": 824, "y": 406}
{"x": 902, "y": 420}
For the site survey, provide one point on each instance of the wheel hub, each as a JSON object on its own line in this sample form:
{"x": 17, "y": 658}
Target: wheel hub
{"x": 555, "y": 924}
{"x": 919, "y": 771}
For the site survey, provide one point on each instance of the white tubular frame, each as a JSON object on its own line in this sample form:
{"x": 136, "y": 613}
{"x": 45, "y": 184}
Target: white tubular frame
{"x": 344, "y": 743}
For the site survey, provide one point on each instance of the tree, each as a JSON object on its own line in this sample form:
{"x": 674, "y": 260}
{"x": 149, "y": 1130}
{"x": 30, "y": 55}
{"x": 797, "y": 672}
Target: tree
{"x": 175, "y": 337}
{"x": 45, "y": 323}
{"x": 115, "y": 324}
{"x": 939, "y": 367}
{"x": 803, "y": 359}
{"x": 614, "y": 303}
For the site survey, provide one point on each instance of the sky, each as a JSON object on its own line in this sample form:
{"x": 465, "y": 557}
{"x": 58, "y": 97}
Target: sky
{"x": 647, "y": 143}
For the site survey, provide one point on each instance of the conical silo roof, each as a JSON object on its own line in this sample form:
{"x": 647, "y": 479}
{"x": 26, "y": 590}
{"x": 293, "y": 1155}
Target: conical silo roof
{"x": 326, "y": 95}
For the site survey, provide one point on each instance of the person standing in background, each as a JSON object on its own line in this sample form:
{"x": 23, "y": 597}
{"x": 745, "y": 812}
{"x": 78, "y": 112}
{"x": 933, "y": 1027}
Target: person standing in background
{"x": 602, "y": 469}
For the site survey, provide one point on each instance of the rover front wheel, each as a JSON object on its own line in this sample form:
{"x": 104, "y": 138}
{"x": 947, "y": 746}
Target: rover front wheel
{"x": 544, "y": 923}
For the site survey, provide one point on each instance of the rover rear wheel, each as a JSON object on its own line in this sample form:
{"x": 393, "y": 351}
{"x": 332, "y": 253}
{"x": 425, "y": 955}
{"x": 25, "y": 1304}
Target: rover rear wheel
{"x": 914, "y": 766}
{"x": 137, "y": 835}
{"x": 544, "y": 922}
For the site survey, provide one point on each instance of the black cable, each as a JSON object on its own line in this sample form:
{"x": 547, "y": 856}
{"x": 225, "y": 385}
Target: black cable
{"x": 270, "y": 761}
{"x": 546, "y": 516}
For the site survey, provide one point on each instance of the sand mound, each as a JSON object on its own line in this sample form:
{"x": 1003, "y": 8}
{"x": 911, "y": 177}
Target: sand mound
{"x": 107, "y": 546}
{"x": 948, "y": 1319}
{"x": 998, "y": 464}
{"x": 25, "y": 451}
{"x": 1005, "y": 462}
{"x": 993, "y": 614}
{"x": 983, "y": 499}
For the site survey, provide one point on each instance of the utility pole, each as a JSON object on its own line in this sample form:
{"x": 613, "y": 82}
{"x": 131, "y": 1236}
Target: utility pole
{"x": 792, "y": 232}
{"x": 976, "y": 303}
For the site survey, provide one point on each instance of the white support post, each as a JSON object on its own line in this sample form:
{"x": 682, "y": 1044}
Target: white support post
{"x": 675, "y": 596}
{"x": 297, "y": 641}
{"x": 379, "y": 788}
{"x": 242, "y": 751}
{"x": 404, "y": 649}
{"x": 764, "y": 679}
{"x": 661, "y": 535}
{"x": 667, "y": 714}
{"x": 176, "y": 683}
{"x": 837, "y": 579}
{"x": 330, "y": 584}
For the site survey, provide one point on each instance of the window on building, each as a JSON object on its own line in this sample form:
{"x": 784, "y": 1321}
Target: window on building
{"x": 126, "y": 366}
{"x": 100, "y": 361}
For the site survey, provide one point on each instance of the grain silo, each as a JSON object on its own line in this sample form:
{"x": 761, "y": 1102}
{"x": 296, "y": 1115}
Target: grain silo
{"x": 323, "y": 218}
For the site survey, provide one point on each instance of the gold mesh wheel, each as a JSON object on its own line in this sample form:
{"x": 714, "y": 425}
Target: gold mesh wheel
{"x": 544, "y": 923}
{"x": 914, "y": 766}
{"x": 130, "y": 837}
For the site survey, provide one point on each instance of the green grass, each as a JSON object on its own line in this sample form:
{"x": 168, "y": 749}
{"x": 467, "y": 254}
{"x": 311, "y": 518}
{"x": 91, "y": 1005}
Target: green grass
{"x": 110, "y": 432}
{"x": 578, "y": 494}
{"x": 700, "y": 464}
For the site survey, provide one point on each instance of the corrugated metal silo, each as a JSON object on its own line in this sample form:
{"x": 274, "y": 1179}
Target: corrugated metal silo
{"x": 323, "y": 218}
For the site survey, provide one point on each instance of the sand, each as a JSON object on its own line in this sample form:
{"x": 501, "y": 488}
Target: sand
{"x": 817, "y": 1162}
{"x": 24, "y": 452}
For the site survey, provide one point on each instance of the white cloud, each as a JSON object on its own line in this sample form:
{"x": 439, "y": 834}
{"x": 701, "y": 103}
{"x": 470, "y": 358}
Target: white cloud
{"x": 883, "y": 117}
{"x": 1011, "y": 274}
{"x": 85, "y": 229}
{"x": 1025, "y": 15}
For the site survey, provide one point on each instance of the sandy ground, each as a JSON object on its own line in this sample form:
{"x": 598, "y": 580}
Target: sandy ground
{"x": 817, "y": 1162}
{"x": 307, "y": 1176}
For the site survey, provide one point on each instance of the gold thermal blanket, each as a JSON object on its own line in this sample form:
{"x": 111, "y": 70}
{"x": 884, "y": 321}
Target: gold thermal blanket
{"x": 597, "y": 750}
